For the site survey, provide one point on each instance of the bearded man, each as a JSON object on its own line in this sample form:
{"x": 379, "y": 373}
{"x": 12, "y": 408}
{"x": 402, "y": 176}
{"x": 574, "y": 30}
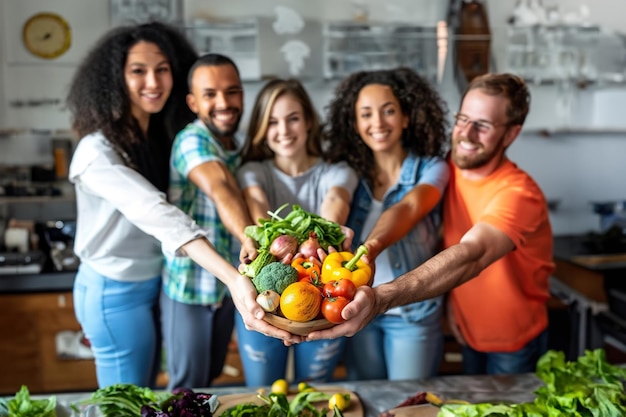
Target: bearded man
{"x": 500, "y": 317}
{"x": 197, "y": 313}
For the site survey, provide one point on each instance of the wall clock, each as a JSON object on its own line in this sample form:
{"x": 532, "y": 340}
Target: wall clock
{"x": 47, "y": 35}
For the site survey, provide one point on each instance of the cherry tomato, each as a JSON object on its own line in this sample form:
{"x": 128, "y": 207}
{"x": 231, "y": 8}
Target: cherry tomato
{"x": 341, "y": 288}
{"x": 332, "y": 308}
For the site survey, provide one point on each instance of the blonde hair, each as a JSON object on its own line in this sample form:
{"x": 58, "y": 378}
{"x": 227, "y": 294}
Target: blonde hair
{"x": 255, "y": 147}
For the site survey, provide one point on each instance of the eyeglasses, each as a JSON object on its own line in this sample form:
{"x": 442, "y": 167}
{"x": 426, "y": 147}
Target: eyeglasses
{"x": 481, "y": 126}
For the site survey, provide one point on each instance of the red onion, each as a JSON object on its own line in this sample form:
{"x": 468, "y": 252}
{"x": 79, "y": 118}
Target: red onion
{"x": 284, "y": 245}
{"x": 310, "y": 246}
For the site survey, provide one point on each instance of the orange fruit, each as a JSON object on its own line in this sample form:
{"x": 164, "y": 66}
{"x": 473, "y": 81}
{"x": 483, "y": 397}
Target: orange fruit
{"x": 301, "y": 301}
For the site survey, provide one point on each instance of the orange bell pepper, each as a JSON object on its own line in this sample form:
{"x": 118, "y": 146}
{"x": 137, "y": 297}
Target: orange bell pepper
{"x": 307, "y": 269}
{"x": 346, "y": 265}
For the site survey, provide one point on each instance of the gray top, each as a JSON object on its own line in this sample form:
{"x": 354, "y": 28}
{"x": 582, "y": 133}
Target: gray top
{"x": 307, "y": 190}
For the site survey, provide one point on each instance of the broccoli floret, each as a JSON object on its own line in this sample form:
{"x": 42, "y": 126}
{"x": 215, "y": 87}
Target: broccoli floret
{"x": 275, "y": 276}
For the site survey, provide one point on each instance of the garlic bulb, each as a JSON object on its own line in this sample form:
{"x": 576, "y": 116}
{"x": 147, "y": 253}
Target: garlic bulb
{"x": 269, "y": 300}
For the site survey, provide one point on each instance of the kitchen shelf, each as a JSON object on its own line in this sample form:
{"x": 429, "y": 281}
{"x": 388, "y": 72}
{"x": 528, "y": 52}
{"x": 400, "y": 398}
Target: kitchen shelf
{"x": 572, "y": 131}
{"x": 239, "y": 40}
{"x": 355, "y": 46}
{"x": 561, "y": 53}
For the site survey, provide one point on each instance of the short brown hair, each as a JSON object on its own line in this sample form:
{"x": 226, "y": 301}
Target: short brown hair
{"x": 507, "y": 85}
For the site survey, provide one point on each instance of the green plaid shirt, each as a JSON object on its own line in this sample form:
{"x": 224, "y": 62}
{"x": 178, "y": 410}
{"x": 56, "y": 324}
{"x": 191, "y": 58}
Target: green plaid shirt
{"x": 183, "y": 279}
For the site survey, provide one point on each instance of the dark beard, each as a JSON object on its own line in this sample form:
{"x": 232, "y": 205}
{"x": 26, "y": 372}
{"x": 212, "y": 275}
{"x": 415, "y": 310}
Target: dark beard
{"x": 474, "y": 162}
{"x": 218, "y": 133}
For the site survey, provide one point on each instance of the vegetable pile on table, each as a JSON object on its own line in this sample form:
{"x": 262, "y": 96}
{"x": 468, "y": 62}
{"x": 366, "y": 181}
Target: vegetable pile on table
{"x": 133, "y": 401}
{"x": 290, "y": 278}
{"x": 303, "y": 404}
{"x": 589, "y": 386}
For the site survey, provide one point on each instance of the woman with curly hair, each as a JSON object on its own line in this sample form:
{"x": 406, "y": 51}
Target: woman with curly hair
{"x": 127, "y": 101}
{"x": 390, "y": 125}
{"x": 283, "y": 164}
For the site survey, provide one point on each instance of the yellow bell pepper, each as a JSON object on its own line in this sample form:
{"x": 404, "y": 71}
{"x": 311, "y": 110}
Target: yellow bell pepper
{"x": 338, "y": 265}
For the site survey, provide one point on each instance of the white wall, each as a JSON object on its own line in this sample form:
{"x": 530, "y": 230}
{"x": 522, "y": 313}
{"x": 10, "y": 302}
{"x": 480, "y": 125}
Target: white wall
{"x": 576, "y": 168}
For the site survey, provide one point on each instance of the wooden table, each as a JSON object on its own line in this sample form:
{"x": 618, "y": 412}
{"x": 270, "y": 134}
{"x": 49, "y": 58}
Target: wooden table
{"x": 378, "y": 396}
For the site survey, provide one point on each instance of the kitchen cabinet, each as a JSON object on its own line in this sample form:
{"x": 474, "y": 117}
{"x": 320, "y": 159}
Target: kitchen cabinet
{"x": 29, "y": 324}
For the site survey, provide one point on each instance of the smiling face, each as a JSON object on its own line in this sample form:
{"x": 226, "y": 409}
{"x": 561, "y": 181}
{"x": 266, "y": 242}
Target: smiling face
{"x": 481, "y": 149}
{"x": 148, "y": 79}
{"x": 379, "y": 118}
{"x": 217, "y": 98}
{"x": 288, "y": 129}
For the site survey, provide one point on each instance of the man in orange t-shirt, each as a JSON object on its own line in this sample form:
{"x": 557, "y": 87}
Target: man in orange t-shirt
{"x": 500, "y": 316}
{"x": 498, "y": 242}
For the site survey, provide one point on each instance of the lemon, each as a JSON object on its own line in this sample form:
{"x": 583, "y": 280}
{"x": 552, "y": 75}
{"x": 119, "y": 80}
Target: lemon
{"x": 305, "y": 387}
{"x": 280, "y": 386}
{"x": 342, "y": 401}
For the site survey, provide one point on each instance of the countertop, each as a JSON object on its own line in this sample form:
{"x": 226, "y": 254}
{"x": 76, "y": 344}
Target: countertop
{"x": 378, "y": 396}
{"x": 32, "y": 283}
{"x": 573, "y": 249}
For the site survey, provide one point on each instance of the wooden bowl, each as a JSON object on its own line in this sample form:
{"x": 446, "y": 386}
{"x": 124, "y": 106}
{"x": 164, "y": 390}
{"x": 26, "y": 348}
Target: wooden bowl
{"x": 297, "y": 327}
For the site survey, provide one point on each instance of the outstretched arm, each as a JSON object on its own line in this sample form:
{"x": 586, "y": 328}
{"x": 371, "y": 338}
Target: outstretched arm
{"x": 220, "y": 185}
{"x": 479, "y": 247}
{"x": 400, "y": 218}
{"x": 336, "y": 208}
{"x": 257, "y": 203}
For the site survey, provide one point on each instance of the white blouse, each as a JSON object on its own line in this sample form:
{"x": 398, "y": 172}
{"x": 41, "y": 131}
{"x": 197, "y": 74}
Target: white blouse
{"x": 122, "y": 219}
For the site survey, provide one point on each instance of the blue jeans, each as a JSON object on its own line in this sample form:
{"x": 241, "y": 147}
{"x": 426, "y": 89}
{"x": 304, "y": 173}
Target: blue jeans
{"x": 120, "y": 319}
{"x": 391, "y": 348}
{"x": 493, "y": 363}
{"x": 264, "y": 358}
{"x": 196, "y": 341}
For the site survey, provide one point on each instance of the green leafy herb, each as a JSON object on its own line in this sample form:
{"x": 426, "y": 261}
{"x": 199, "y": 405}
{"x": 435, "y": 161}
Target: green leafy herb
{"x": 298, "y": 223}
{"x": 23, "y": 406}
{"x": 123, "y": 400}
{"x": 589, "y": 386}
{"x": 277, "y": 405}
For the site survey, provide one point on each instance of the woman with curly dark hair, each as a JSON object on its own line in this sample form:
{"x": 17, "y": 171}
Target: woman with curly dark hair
{"x": 390, "y": 125}
{"x": 127, "y": 101}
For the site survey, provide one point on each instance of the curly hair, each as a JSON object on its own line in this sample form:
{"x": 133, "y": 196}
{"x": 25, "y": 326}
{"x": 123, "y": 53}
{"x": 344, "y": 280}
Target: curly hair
{"x": 98, "y": 97}
{"x": 509, "y": 86}
{"x": 426, "y": 134}
{"x": 255, "y": 147}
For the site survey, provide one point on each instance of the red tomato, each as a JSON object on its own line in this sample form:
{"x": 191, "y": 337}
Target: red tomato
{"x": 332, "y": 307}
{"x": 342, "y": 288}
